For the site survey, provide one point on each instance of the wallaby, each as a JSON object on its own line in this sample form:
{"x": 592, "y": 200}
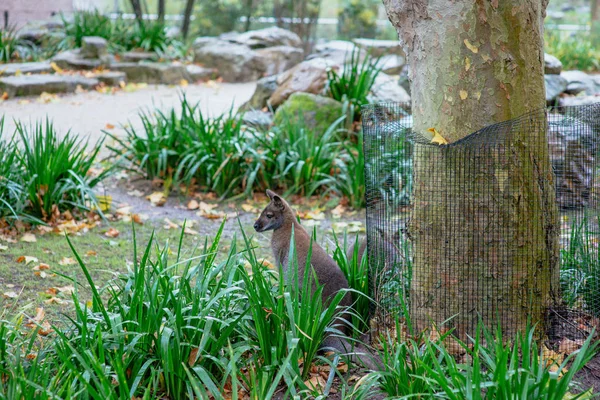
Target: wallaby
{"x": 280, "y": 217}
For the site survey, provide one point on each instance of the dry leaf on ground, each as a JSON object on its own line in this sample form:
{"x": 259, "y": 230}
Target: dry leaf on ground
{"x": 10, "y": 295}
{"x": 157, "y": 199}
{"x": 67, "y": 261}
{"x": 29, "y": 238}
{"x": 27, "y": 259}
{"x": 112, "y": 233}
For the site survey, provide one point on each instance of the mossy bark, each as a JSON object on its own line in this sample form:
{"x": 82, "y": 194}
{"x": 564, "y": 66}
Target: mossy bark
{"x": 484, "y": 222}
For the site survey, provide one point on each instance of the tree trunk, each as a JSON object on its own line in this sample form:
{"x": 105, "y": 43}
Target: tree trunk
{"x": 187, "y": 15}
{"x": 484, "y": 219}
{"x": 595, "y": 21}
{"x": 137, "y": 9}
{"x": 161, "y": 10}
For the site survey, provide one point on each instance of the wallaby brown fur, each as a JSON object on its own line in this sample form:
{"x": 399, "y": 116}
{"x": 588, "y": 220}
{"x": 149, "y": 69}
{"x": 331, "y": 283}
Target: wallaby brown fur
{"x": 279, "y": 217}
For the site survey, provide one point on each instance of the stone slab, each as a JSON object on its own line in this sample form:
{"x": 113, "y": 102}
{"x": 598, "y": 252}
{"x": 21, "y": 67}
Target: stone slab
{"x": 25, "y": 68}
{"x": 34, "y": 85}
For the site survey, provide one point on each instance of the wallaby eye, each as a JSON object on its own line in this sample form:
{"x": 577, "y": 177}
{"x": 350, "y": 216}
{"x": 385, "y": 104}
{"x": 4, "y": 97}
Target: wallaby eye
{"x": 269, "y": 216}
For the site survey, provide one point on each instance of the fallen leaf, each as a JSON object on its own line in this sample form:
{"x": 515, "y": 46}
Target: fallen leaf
{"x": 91, "y": 253}
{"x": 68, "y": 290}
{"x": 4, "y": 96}
{"x": 568, "y": 346}
{"x": 29, "y": 238}
{"x": 136, "y": 193}
{"x": 10, "y": 295}
{"x": 111, "y": 233}
{"x": 193, "y": 357}
{"x": 316, "y": 382}
{"x": 437, "y": 137}
{"x": 137, "y": 219}
{"x": 109, "y": 126}
{"x": 56, "y": 68}
{"x": 193, "y": 205}
{"x": 41, "y": 267}
{"x": 23, "y": 102}
{"x": 250, "y": 208}
{"x": 26, "y": 259}
{"x": 54, "y": 300}
{"x": 190, "y": 231}
{"x": 67, "y": 261}
{"x": 46, "y": 98}
{"x": 3, "y": 247}
{"x": 104, "y": 202}
{"x": 45, "y": 329}
{"x": 183, "y": 82}
{"x": 157, "y": 199}
{"x": 170, "y": 224}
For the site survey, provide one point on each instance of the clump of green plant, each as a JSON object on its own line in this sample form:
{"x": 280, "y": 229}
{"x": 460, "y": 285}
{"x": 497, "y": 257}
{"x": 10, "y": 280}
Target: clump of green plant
{"x": 11, "y": 178}
{"x": 574, "y": 51}
{"x": 56, "y": 170}
{"x": 355, "y": 82}
{"x": 357, "y": 18}
{"x": 12, "y": 47}
{"x": 580, "y": 267}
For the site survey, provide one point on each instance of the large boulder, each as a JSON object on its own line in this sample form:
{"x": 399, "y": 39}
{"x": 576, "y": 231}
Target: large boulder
{"x": 552, "y": 65}
{"x": 386, "y": 89}
{"x": 93, "y": 47}
{"x": 34, "y": 85}
{"x": 137, "y": 56}
{"x": 153, "y": 72}
{"x": 111, "y": 78}
{"x": 379, "y": 48}
{"x": 309, "y": 76}
{"x": 578, "y": 81}
{"x": 73, "y": 59}
{"x": 263, "y": 92}
{"x": 235, "y": 62}
{"x": 573, "y": 142}
{"x": 199, "y": 73}
{"x": 337, "y": 51}
{"x": 315, "y": 112}
{"x": 268, "y": 37}
{"x": 555, "y": 85}
{"x": 568, "y": 101}
{"x": 42, "y": 67}
{"x": 280, "y": 58}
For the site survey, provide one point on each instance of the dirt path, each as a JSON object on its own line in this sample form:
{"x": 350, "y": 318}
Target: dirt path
{"x": 87, "y": 114}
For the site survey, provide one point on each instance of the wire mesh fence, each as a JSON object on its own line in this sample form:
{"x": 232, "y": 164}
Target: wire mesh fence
{"x": 502, "y": 226}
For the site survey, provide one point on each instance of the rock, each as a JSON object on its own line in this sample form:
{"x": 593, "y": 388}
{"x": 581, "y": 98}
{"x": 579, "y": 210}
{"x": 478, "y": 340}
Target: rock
{"x": 72, "y": 59}
{"x": 309, "y": 76}
{"x": 32, "y": 35}
{"x": 111, "y": 78}
{"x": 154, "y": 72}
{"x": 199, "y": 73}
{"x": 315, "y": 112}
{"x": 25, "y": 68}
{"x": 555, "y": 85}
{"x": 136, "y": 56}
{"x": 379, "y": 48}
{"x": 568, "y": 101}
{"x": 337, "y": 51}
{"x": 264, "y": 89}
{"x": 573, "y": 144}
{"x": 392, "y": 64}
{"x": 280, "y": 58}
{"x": 235, "y": 62}
{"x": 258, "y": 119}
{"x": 268, "y": 37}
{"x": 33, "y": 85}
{"x": 93, "y": 47}
{"x": 385, "y": 89}
{"x": 578, "y": 82}
{"x": 552, "y": 65}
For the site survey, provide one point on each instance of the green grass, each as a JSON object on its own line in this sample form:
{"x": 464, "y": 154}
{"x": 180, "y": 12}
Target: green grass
{"x": 574, "y": 51}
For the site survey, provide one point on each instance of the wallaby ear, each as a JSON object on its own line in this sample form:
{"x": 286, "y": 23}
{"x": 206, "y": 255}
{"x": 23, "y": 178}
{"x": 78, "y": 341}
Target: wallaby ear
{"x": 271, "y": 194}
{"x": 278, "y": 201}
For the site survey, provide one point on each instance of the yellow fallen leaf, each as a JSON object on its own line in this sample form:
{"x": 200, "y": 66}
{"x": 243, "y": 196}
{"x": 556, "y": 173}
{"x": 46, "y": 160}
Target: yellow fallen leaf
{"x": 29, "y": 238}
{"x": 67, "y": 261}
{"x": 193, "y": 205}
{"x": 18, "y": 72}
{"x": 46, "y": 98}
{"x": 157, "y": 199}
{"x": 464, "y": 94}
{"x": 183, "y": 82}
{"x": 4, "y": 96}
{"x": 104, "y": 202}
{"x": 56, "y": 68}
{"x": 437, "y": 138}
{"x": 250, "y": 208}
{"x": 474, "y": 49}
{"x": 54, "y": 300}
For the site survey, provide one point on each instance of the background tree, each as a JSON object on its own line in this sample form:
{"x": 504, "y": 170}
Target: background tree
{"x": 161, "y": 10}
{"x": 187, "y": 15}
{"x": 476, "y": 63}
{"x": 136, "y": 5}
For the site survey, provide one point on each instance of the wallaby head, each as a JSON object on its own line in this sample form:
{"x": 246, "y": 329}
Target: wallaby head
{"x": 274, "y": 215}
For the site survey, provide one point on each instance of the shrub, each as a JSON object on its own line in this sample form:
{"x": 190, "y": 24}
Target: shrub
{"x": 355, "y": 81}
{"x": 13, "y": 48}
{"x": 574, "y": 51}
{"x": 56, "y": 170}
{"x": 11, "y": 179}
{"x": 357, "y": 19}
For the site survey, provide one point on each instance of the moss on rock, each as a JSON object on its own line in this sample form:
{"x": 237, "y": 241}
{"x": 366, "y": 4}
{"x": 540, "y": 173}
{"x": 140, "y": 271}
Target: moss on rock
{"x": 317, "y": 112}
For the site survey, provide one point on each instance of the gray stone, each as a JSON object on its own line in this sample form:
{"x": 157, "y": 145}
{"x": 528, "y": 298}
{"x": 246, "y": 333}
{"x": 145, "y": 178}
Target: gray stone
{"x": 25, "y": 68}
{"x": 199, "y": 73}
{"x": 573, "y": 144}
{"x": 268, "y": 37}
{"x": 153, "y": 72}
{"x": 314, "y": 112}
{"x": 135, "y": 56}
{"x": 93, "y": 47}
{"x": 264, "y": 89}
{"x": 280, "y": 58}
{"x": 33, "y": 85}
{"x": 378, "y": 48}
{"x": 385, "y": 89}
{"x": 258, "y": 119}
{"x": 33, "y": 35}
{"x": 111, "y": 78}
{"x": 552, "y": 65}
{"x": 310, "y": 76}
{"x": 568, "y": 101}
{"x": 555, "y": 85}
{"x": 72, "y": 59}
{"x": 337, "y": 51}
{"x": 392, "y": 64}
{"x": 578, "y": 82}
{"x": 235, "y": 62}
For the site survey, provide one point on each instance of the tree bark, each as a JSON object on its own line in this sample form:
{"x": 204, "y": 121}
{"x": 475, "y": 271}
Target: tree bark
{"x": 249, "y": 9}
{"x": 484, "y": 221}
{"x": 161, "y": 10}
{"x": 137, "y": 9}
{"x": 187, "y": 15}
